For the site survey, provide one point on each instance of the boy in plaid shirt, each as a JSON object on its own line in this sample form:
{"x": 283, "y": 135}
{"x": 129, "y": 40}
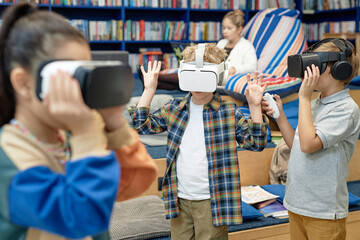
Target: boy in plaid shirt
{"x": 201, "y": 186}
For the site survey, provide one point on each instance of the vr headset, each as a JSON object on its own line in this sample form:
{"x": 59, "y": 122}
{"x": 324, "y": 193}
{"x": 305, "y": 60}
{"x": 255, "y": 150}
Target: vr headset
{"x": 341, "y": 68}
{"x": 103, "y": 83}
{"x": 200, "y": 76}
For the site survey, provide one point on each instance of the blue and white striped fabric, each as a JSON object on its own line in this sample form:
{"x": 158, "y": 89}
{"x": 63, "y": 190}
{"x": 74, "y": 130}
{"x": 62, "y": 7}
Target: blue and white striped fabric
{"x": 275, "y": 33}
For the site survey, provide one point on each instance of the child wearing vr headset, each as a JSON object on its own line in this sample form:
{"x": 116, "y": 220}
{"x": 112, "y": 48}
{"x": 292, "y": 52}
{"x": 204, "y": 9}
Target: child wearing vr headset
{"x": 201, "y": 186}
{"x": 241, "y": 55}
{"x": 324, "y": 141}
{"x": 54, "y": 187}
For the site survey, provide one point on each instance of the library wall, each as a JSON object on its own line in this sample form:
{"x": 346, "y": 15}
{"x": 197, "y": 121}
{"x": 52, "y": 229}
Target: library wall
{"x": 143, "y": 27}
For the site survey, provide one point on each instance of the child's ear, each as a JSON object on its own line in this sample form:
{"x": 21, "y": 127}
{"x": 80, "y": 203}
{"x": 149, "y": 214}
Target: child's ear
{"x": 21, "y": 82}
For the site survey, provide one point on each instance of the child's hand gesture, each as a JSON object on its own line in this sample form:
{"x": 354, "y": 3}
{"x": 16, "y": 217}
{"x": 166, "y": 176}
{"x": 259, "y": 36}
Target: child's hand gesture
{"x": 311, "y": 78}
{"x": 254, "y": 91}
{"x": 151, "y": 76}
{"x": 65, "y": 103}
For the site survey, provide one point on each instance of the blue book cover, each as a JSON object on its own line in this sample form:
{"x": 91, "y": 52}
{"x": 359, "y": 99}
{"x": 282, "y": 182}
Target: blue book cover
{"x": 275, "y": 209}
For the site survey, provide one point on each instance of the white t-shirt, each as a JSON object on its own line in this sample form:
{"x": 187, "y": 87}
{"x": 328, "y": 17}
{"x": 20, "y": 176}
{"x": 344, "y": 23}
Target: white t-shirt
{"x": 192, "y": 164}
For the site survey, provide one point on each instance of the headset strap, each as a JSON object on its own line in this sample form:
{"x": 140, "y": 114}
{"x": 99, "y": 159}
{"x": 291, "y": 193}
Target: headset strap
{"x": 331, "y": 56}
{"x": 199, "y": 55}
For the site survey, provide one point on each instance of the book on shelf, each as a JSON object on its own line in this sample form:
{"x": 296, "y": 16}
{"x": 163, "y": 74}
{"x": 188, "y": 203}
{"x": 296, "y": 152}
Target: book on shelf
{"x": 255, "y": 194}
{"x": 325, "y": 5}
{"x": 314, "y": 31}
{"x": 154, "y": 31}
{"x": 156, "y": 3}
{"x": 218, "y": 4}
{"x": 168, "y": 60}
{"x": 275, "y": 209}
{"x": 263, "y": 4}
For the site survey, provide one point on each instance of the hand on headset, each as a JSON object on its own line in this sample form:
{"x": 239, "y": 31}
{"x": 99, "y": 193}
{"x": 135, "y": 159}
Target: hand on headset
{"x": 254, "y": 91}
{"x": 65, "y": 104}
{"x": 151, "y": 76}
{"x": 311, "y": 78}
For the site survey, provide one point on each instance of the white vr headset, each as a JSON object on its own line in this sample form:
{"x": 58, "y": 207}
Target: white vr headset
{"x": 200, "y": 76}
{"x": 103, "y": 83}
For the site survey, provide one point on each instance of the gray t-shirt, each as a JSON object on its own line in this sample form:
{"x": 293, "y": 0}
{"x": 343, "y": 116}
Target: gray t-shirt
{"x": 316, "y": 184}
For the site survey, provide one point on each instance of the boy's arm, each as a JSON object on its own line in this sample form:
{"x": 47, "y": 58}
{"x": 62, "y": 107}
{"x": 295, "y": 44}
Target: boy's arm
{"x": 286, "y": 129}
{"x": 61, "y": 203}
{"x": 309, "y": 140}
{"x": 249, "y": 134}
{"x": 145, "y": 123}
{"x": 150, "y": 83}
{"x": 138, "y": 169}
{"x": 140, "y": 118}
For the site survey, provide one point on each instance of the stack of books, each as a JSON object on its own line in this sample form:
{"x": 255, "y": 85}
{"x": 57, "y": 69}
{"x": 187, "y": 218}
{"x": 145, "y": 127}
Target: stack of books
{"x": 275, "y": 209}
{"x": 264, "y": 201}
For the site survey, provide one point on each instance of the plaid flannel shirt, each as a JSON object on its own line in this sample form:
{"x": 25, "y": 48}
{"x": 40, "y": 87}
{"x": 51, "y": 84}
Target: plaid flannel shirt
{"x": 224, "y": 125}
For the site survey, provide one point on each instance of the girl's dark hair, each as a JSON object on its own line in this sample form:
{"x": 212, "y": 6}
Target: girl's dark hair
{"x": 27, "y": 38}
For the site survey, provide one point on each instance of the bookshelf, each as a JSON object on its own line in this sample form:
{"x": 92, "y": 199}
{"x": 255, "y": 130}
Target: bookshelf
{"x": 329, "y": 16}
{"x": 114, "y": 14}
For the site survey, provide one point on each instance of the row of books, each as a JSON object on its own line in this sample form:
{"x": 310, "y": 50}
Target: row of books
{"x": 155, "y": 31}
{"x": 99, "y": 30}
{"x": 218, "y": 4}
{"x": 205, "y": 31}
{"x": 263, "y": 4}
{"x": 172, "y": 30}
{"x": 100, "y": 3}
{"x": 324, "y": 5}
{"x": 30, "y": 1}
{"x": 156, "y": 3}
{"x": 169, "y": 60}
{"x": 314, "y": 31}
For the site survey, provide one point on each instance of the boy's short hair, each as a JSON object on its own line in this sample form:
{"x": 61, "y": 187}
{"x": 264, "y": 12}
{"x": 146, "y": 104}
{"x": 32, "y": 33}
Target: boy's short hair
{"x": 212, "y": 53}
{"x": 353, "y": 59}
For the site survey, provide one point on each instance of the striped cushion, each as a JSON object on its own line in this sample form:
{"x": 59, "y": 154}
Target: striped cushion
{"x": 275, "y": 33}
{"x": 169, "y": 71}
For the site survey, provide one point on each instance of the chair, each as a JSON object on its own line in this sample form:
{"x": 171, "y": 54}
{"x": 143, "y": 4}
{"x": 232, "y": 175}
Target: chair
{"x": 275, "y": 33}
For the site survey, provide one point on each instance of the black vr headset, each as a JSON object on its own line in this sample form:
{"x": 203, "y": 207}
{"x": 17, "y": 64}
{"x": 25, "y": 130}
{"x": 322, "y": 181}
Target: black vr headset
{"x": 341, "y": 70}
{"x": 103, "y": 83}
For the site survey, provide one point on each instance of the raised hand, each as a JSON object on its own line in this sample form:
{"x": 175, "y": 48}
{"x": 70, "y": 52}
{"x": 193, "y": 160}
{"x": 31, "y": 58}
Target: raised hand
{"x": 150, "y": 83}
{"x": 254, "y": 91}
{"x": 311, "y": 78}
{"x": 151, "y": 76}
{"x": 65, "y": 103}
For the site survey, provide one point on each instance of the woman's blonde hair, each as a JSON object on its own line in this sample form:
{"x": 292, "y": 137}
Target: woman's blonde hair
{"x": 212, "y": 53}
{"x": 236, "y": 17}
{"x": 353, "y": 59}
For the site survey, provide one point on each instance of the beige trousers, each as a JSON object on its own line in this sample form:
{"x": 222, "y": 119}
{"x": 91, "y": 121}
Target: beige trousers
{"x": 302, "y": 227}
{"x": 195, "y": 222}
